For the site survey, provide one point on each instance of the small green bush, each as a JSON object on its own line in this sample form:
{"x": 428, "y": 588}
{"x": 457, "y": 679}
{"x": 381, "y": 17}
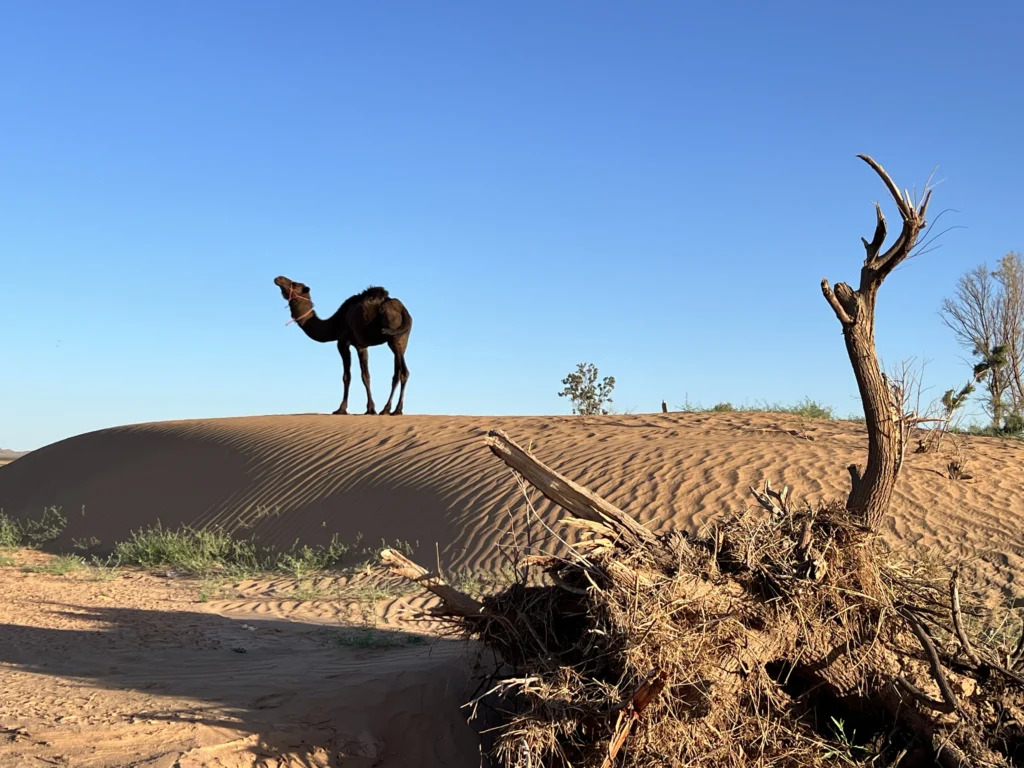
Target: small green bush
{"x": 810, "y": 409}
{"x": 807, "y": 408}
{"x": 187, "y": 549}
{"x": 589, "y": 396}
{"x": 10, "y": 532}
{"x": 31, "y": 533}
{"x": 207, "y": 551}
{"x": 60, "y": 566}
{"x": 977, "y": 430}
{"x": 1013, "y": 424}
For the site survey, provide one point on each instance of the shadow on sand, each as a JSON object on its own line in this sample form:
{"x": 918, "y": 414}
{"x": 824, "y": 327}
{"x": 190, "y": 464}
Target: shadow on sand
{"x": 284, "y": 693}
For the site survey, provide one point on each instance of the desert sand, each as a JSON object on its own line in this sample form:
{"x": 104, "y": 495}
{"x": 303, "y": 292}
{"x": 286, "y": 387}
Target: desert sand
{"x": 140, "y": 669}
{"x": 136, "y": 671}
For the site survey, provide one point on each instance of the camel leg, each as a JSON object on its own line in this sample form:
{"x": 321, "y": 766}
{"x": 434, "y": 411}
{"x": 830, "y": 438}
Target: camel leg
{"x": 364, "y": 368}
{"x": 398, "y": 351}
{"x": 401, "y": 392}
{"x": 401, "y": 372}
{"x": 346, "y": 377}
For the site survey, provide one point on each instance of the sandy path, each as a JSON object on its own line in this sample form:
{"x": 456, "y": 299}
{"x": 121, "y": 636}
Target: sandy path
{"x": 135, "y": 671}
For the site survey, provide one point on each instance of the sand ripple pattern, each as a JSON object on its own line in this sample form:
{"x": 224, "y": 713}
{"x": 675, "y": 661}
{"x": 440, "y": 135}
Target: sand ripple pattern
{"x": 430, "y": 481}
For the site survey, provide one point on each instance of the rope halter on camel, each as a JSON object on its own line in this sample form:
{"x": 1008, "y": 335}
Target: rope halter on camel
{"x": 293, "y": 295}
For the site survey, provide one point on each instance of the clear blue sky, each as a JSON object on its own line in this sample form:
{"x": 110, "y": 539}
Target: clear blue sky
{"x": 654, "y": 187}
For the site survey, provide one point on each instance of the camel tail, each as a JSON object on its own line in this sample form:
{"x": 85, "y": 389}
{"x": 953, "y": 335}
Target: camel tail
{"x": 403, "y": 328}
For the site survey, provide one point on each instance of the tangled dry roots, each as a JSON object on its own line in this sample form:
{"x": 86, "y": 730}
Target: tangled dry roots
{"x": 775, "y": 638}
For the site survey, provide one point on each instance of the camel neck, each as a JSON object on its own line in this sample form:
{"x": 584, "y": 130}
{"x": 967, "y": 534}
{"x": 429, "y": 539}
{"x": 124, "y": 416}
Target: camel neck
{"x": 313, "y": 326}
{"x": 301, "y": 310}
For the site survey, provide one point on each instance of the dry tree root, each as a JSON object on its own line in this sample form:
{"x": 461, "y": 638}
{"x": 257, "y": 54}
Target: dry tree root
{"x": 779, "y": 637}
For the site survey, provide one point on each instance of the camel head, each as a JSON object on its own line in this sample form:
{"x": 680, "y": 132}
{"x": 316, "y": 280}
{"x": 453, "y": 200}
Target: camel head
{"x": 297, "y": 296}
{"x": 290, "y": 289}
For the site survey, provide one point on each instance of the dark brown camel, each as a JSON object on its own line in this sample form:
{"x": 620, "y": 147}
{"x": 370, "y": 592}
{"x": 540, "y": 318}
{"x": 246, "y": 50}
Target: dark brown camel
{"x": 365, "y": 320}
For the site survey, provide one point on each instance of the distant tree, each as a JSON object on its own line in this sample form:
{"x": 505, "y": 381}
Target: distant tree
{"x": 588, "y": 395}
{"x": 986, "y": 314}
{"x": 1010, "y": 277}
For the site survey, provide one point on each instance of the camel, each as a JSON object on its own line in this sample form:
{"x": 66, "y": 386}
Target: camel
{"x": 365, "y": 320}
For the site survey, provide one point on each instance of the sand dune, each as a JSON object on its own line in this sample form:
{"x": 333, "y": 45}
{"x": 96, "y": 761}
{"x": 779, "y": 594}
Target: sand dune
{"x": 7, "y": 455}
{"x": 430, "y": 481}
{"x": 141, "y": 670}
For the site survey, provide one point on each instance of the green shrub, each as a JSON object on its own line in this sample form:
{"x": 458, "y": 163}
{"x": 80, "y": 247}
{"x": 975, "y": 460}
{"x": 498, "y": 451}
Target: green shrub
{"x": 808, "y": 408}
{"x": 31, "y": 533}
{"x": 588, "y": 395}
{"x": 206, "y": 551}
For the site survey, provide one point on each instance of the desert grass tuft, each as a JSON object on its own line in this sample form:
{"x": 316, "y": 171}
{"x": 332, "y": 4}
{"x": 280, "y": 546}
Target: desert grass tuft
{"x": 197, "y": 551}
{"x": 366, "y": 638}
{"x": 31, "y": 532}
{"x": 211, "y": 552}
{"x": 59, "y": 566}
{"x": 807, "y": 408}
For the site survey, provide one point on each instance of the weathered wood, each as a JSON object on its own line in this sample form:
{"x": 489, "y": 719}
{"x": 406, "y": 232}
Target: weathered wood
{"x": 623, "y": 725}
{"x": 456, "y": 603}
{"x": 574, "y": 498}
{"x": 776, "y": 502}
{"x": 648, "y": 691}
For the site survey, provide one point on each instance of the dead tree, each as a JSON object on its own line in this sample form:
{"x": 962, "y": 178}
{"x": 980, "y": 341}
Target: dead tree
{"x": 872, "y": 489}
{"x": 663, "y": 646}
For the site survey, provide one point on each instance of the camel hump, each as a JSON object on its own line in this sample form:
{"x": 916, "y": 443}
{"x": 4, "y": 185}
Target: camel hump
{"x": 375, "y": 292}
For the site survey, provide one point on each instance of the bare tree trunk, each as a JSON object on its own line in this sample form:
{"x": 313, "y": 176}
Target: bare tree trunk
{"x": 872, "y": 490}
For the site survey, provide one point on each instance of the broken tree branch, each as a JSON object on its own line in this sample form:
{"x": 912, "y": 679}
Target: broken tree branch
{"x": 924, "y": 698}
{"x": 903, "y": 205}
{"x": 574, "y": 498}
{"x": 958, "y": 619}
{"x": 875, "y": 245}
{"x": 877, "y": 267}
{"x": 456, "y": 603}
{"x": 648, "y": 691}
{"x": 776, "y": 502}
{"x": 932, "y": 655}
{"x": 838, "y": 308}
